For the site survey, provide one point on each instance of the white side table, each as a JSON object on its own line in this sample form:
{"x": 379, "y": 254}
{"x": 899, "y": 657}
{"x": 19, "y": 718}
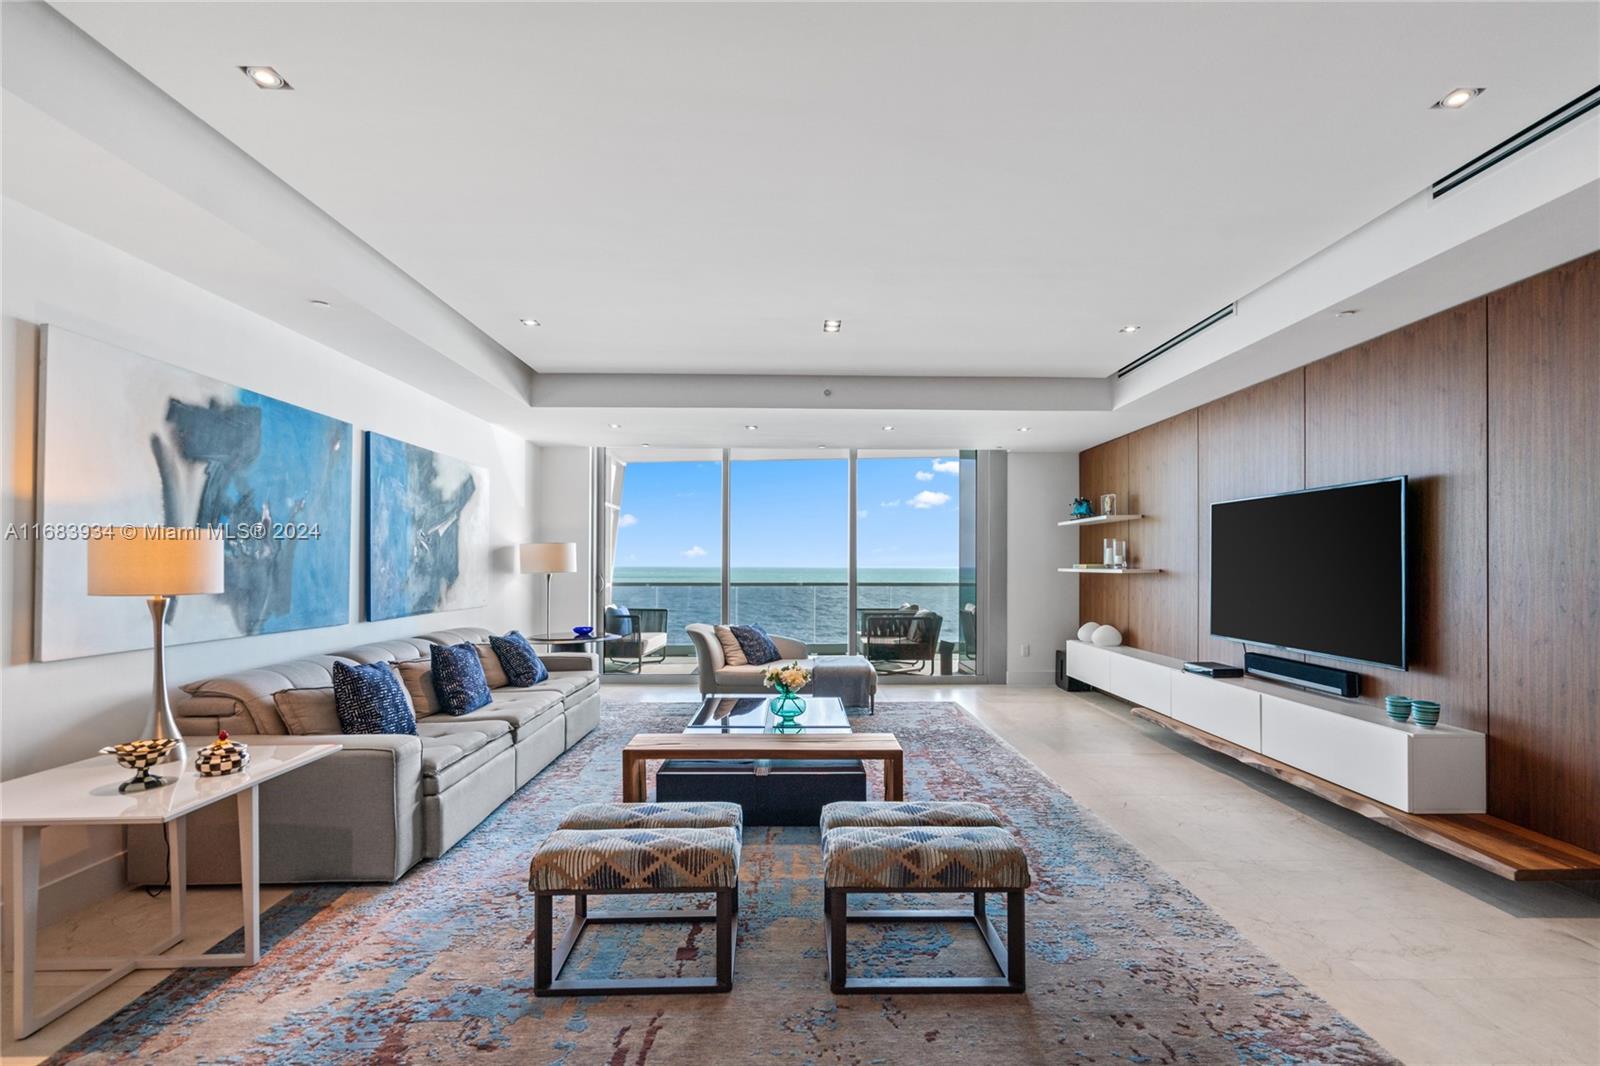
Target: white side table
{"x": 85, "y": 793}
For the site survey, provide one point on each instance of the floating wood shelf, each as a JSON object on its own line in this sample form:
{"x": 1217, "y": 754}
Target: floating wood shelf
{"x": 1100, "y": 519}
{"x": 1494, "y": 844}
{"x": 1107, "y": 570}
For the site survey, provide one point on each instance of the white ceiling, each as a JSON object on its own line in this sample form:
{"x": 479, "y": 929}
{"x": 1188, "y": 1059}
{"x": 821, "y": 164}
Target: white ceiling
{"x": 974, "y": 189}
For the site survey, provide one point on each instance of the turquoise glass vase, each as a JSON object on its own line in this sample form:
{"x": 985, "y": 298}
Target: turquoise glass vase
{"x": 787, "y": 706}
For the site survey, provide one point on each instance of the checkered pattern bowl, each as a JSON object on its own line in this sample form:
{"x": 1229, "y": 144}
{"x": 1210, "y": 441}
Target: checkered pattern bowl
{"x": 139, "y": 754}
{"x": 214, "y": 760}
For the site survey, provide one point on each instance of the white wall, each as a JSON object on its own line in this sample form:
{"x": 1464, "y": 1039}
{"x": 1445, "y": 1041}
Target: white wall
{"x": 1041, "y": 604}
{"x": 55, "y": 712}
{"x": 566, "y": 508}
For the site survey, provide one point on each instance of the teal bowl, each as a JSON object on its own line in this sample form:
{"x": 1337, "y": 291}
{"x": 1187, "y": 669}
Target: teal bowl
{"x": 1398, "y": 707}
{"x": 1425, "y": 713}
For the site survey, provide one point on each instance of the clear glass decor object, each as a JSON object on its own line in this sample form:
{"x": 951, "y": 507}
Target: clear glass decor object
{"x": 1108, "y": 503}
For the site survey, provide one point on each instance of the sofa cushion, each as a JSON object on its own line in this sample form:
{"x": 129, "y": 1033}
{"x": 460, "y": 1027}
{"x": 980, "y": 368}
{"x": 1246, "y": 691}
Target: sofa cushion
{"x": 564, "y": 683}
{"x": 523, "y": 710}
{"x": 732, "y": 653}
{"x": 369, "y": 698}
{"x": 452, "y": 750}
{"x": 749, "y": 678}
{"x": 493, "y": 672}
{"x": 458, "y": 678}
{"x": 308, "y": 712}
{"x": 417, "y": 676}
{"x": 522, "y": 664}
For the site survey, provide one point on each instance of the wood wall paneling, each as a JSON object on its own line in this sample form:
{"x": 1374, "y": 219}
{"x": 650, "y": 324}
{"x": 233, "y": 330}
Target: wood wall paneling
{"x": 1161, "y": 608}
{"x": 1544, "y": 552}
{"x": 1103, "y": 469}
{"x": 1414, "y": 402}
{"x": 1251, "y": 443}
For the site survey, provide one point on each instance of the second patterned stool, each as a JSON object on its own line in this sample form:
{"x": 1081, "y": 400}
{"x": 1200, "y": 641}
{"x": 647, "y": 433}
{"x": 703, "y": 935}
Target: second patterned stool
{"x": 603, "y": 849}
{"x": 915, "y": 848}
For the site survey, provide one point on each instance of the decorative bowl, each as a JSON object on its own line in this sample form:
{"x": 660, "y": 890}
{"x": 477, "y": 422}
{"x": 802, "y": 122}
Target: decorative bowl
{"x": 139, "y": 756}
{"x": 583, "y": 631}
{"x": 1425, "y": 713}
{"x": 222, "y": 756}
{"x": 1397, "y": 707}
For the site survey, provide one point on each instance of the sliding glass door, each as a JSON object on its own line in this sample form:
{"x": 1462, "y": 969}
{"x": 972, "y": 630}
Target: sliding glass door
{"x": 874, "y": 553}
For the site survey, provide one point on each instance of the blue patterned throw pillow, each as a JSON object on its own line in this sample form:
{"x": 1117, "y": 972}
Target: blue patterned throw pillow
{"x": 757, "y": 646}
{"x": 521, "y": 663}
{"x": 371, "y": 699}
{"x": 458, "y": 678}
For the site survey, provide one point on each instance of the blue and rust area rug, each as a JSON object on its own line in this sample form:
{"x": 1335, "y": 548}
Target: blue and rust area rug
{"x": 1124, "y": 964}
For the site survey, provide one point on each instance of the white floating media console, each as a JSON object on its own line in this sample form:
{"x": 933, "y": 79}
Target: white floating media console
{"x": 1420, "y": 771}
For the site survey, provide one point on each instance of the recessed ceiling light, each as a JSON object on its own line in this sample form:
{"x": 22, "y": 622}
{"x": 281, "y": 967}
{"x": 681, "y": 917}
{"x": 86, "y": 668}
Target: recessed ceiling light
{"x": 529, "y": 321}
{"x": 1348, "y": 312}
{"x": 832, "y": 325}
{"x": 1456, "y": 99}
{"x": 888, "y": 429}
{"x": 616, "y": 425}
{"x": 822, "y": 446}
{"x": 319, "y": 303}
{"x": 1023, "y": 429}
{"x": 266, "y": 78}
{"x": 752, "y": 427}
{"x": 1130, "y": 329}
{"x": 644, "y": 445}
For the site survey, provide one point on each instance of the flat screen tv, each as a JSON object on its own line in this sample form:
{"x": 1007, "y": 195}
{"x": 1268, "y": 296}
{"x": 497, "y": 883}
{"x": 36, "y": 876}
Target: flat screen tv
{"x": 1319, "y": 570}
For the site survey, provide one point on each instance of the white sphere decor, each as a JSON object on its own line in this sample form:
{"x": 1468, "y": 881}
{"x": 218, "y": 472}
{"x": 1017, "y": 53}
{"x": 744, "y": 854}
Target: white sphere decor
{"x": 1107, "y": 636}
{"x": 1086, "y": 631}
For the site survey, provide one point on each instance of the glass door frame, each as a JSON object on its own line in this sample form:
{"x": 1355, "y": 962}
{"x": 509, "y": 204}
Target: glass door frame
{"x": 990, "y": 549}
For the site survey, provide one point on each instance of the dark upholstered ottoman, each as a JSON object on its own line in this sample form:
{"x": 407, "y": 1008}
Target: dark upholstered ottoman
{"x": 920, "y": 848}
{"x": 769, "y": 791}
{"x": 606, "y": 849}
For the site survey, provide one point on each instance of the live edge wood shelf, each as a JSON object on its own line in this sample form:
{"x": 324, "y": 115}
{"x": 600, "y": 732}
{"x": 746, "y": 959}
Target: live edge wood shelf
{"x": 1494, "y": 844}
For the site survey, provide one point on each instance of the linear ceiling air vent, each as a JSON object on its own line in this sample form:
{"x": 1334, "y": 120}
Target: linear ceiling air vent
{"x": 1167, "y": 345}
{"x": 1518, "y": 141}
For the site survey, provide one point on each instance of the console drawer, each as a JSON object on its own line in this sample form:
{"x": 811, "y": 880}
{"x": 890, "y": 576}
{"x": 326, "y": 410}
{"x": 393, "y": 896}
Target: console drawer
{"x": 1231, "y": 712}
{"x": 1139, "y": 682}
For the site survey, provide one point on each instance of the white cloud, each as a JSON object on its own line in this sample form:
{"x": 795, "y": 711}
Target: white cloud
{"x": 924, "y": 475}
{"x": 890, "y": 503}
{"x": 694, "y": 552}
{"x": 627, "y": 520}
{"x": 925, "y": 499}
{"x": 947, "y": 466}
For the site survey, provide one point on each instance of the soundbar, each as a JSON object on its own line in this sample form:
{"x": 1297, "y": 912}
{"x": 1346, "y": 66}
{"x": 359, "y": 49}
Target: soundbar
{"x": 1306, "y": 675}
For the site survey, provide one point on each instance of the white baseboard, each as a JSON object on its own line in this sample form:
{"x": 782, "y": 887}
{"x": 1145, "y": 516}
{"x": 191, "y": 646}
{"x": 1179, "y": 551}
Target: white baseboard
{"x": 1030, "y": 677}
{"x": 66, "y": 895}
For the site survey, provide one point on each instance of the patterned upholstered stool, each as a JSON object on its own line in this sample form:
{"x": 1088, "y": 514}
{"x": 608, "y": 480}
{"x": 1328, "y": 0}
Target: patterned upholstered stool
{"x": 604, "y": 849}
{"x": 917, "y": 848}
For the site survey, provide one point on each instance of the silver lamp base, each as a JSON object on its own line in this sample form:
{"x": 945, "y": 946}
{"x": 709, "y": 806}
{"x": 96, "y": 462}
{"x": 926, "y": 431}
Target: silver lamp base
{"x": 161, "y": 725}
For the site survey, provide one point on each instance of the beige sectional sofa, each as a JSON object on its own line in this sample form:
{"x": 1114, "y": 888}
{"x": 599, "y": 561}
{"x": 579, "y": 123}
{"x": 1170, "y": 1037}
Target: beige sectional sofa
{"x": 384, "y": 803}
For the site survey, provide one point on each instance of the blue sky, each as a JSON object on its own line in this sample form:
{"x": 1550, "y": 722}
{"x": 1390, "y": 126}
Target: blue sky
{"x": 791, "y": 513}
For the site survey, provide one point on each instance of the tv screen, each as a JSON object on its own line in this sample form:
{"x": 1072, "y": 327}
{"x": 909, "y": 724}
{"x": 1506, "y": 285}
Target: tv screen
{"x": 1320, "y": 571}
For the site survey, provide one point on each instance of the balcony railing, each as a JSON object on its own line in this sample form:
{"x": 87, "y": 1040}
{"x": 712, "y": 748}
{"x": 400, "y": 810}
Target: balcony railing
{"x": 815, "y": 612}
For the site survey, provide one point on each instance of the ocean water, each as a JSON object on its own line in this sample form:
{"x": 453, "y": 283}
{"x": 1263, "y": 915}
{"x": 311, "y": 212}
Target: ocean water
{"x": 809, "y": 604}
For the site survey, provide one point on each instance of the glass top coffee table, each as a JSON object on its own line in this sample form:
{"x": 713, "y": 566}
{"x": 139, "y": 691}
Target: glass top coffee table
{"x": 748, "y": 715}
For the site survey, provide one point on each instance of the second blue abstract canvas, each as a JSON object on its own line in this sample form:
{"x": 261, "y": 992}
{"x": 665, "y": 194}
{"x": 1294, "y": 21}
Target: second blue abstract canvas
{"x": 427, "y": 530}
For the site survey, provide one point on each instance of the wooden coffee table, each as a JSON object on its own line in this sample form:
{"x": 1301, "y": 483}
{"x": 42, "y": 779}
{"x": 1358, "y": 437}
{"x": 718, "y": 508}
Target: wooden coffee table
{"x": 753, "y": 745}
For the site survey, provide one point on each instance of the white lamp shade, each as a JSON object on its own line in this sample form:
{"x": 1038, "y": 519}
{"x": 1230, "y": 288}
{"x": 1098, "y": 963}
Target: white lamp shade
{"x": 140, "y": 561}
{"x": 558, "y": 558}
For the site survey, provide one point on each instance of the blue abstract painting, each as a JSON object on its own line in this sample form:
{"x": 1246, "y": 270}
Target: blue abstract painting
{"x": 427, "y": 530}
{"x": 128, "y": 440}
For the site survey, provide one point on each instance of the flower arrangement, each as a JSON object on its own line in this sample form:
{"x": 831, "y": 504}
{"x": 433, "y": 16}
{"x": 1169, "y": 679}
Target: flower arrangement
{"x": 787, "y": 679}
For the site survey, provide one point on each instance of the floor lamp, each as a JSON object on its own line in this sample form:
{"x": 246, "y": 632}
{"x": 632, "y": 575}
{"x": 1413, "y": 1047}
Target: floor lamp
{"x": 157, "y": 563}
{"x": 547, "y": 559}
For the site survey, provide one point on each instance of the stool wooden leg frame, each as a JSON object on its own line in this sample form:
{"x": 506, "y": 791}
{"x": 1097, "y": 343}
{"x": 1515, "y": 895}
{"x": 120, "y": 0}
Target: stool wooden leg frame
{"x": 549, "y": 958}
{"x": 1011, "y": 957}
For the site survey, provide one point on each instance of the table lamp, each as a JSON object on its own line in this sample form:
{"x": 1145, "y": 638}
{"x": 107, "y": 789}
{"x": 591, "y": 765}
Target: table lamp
{"x": 547, "y": 559}
{"x": 157, "y": 563}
